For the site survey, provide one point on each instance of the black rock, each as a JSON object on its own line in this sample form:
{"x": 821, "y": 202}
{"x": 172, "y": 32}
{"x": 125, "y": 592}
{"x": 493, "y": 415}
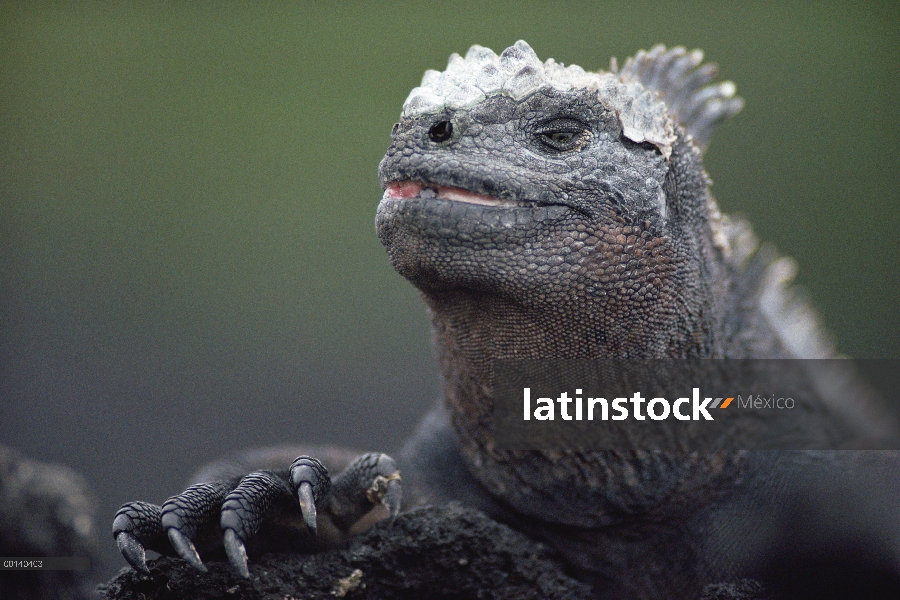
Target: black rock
{"x": 434, "y": 552}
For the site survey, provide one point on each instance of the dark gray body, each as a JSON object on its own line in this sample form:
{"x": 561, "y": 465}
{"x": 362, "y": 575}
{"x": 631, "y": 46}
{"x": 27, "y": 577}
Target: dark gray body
{"x": 808, "y": 524}
{"x": 553, "y": 223}
{"x": 546, "y": 212}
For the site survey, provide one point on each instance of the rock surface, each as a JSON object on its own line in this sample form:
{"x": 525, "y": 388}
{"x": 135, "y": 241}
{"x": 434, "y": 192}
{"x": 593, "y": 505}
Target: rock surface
{"x": 446, "y": 552}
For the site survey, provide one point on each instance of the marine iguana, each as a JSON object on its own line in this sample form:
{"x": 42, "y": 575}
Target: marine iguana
{"x": 548, "y": 212}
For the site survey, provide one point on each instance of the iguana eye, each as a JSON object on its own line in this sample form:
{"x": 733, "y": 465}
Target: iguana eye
{"x": 441, "y": 131}
{"x": 560, "y": 137}
{"x": 564, "y": 135}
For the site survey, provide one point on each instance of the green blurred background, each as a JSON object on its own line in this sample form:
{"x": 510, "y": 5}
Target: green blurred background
{"x": 189, "y": 264}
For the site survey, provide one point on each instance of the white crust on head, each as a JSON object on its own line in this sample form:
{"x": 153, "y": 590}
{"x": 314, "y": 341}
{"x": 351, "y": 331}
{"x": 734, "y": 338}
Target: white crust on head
{"x": 517, "y": 72}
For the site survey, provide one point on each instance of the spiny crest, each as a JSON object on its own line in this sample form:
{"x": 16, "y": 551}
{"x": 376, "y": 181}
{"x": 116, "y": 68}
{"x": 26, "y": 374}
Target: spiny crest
{"x": 518, "y": 72}
{"x": 651, "y": 92}
{"x": 684, "y": 85}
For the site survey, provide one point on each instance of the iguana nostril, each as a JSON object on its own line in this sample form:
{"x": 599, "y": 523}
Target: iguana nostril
{"x": 441, "y": 131}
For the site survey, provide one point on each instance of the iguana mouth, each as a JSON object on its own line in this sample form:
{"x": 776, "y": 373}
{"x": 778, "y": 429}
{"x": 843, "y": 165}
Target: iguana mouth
{"x": 407, "y": 190}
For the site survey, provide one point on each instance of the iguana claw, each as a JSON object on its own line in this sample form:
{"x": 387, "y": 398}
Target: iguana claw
{"x": 311, "y": 483}
{"x": 185, "y": 515}
{"x": 237, "y": 553}
{"x": 133, "y": 552}
{"x": 259, "y": 510}
{"x": 307, "y": 506}
{"x": 136, "y": 528}
{"x": 185, "y": 549}
{"x": 392, "y": 497}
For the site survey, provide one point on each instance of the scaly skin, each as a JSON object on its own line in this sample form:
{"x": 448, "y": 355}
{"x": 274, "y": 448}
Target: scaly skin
{"x": 541, "y": 228}
{"x": 545, "y": 212}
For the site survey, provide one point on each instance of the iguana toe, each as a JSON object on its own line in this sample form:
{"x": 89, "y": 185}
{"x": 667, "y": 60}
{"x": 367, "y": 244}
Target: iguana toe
{"x": 311, "y": 483}
{"x": 136, "y": 528}
{"x": 191, "y": 518}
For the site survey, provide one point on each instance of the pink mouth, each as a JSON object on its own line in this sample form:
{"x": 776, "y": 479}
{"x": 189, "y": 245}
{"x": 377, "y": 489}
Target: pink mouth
{"x": 404, "y": 190}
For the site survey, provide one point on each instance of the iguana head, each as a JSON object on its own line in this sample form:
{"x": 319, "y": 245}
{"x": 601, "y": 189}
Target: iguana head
{"x": 553, "y": 191}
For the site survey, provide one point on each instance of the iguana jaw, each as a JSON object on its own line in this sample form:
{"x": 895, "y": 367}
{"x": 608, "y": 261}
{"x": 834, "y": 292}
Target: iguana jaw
{"x": 405, "y": 190}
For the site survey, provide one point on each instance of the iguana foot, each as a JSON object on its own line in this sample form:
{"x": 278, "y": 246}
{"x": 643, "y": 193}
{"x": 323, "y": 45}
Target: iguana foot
{"x": 301, "y": 508}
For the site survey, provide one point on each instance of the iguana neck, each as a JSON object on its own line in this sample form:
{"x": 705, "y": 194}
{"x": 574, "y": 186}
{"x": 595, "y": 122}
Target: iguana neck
{"x": 473, "y": 329}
